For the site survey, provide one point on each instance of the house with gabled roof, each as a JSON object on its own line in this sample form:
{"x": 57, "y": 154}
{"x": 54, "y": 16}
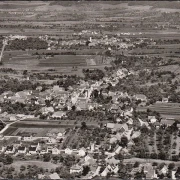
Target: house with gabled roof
{"x": 68, "y": 151}
{"x": 2, "y": 149}
{"x": 152, "y": 119}
{"x": 59, "y": 114}
{"x": 143, "y": 123}
{"x": 120, "y": 127}
{"x": 76, "y": 169}
{"x": 10, "y": 149}
{"x": 149, "y": 171}
{"x": 141, "y": 97}
{"x": 43, "y": 150}
{"x": 88, "y": 157}
{"x": 82, "y": 104}
{"x": 114, "y": 108}
{"x": 113, "y": 168}
{"x": 130, "y": 121}
{"x": 118, "y": 120}
{"x": 113, "y": 140}
{"x": 135, "y": 134}
{"x": 46, "y": 110}
{"x": 105, "y": 172}
{"x": 82, "y": 152}
{"x": 173, "y": 176}
{"x": 89, "y": 160}
{"x": 55, "y": 151}
{"x": 164, "y": 170}
{"x": 54, "y": 176}
{"x": 112, "y": 160}
{"x": 130, "y": 143}
{"x": 32, "y": 150}
{"x": 118, "y": 149}
{"x": 22, "y": 149}
{"x": 110, "y": 125}
{"x": 136, "y": 170}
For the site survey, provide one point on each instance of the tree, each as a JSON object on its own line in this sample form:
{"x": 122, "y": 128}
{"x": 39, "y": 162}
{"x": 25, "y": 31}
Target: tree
{"x": 136, "y": 164}
{"x": 108, "y": 53}
{"x": 21, "y": 175}
{"x": 83, "y": 125}
{"x": 86, "y": 169}
{"x": 162, "y": 155}
{"x": 153, "y": 155}
{"x": 175, "y": 158}
{"x": 177, "y": 174}
{"x": 56, "y": 158}
{"x": 154, "y": 164}
{"x": 25, "y": 72}
{"x": 73, "y": 108}
{"x": 171, "y": 166}
{"x": 58, "y": 170}
{"x": 124, "y": 141}
{"x": 47, "y": 157}
{"x": 161, "y": 176}
{"x": 22, "y": 168}
{"x": 8, "y": 160}
{"x": 139, "y": 175}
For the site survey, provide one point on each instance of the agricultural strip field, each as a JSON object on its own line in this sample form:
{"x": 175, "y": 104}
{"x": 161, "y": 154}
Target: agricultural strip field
{"x": 170, "y": 109}
{"x": 34, "y": 124}
{"x": 37, "y": 132}
{"x": 25, "y": 58}
{"x": 64, "y": 60}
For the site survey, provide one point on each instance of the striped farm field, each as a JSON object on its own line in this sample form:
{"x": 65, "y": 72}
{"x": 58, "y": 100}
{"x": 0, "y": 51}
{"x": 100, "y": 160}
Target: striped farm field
{"x": 64, "y": 60}
{"x": 164, "y": 108}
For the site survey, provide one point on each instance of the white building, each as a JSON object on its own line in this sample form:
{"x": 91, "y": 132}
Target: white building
{"x": 68, "y": 151}
{"x": 22, "y": 149}
{"x": 76, "y": 169}
{"x": 10, "y": 150}
{"x": 82, "y": 152}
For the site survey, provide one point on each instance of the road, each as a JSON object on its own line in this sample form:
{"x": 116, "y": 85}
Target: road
{"x": 7, "y": 126}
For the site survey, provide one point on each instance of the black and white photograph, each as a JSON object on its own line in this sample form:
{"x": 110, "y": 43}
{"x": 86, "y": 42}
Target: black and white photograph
{"x": 89, "y": 90}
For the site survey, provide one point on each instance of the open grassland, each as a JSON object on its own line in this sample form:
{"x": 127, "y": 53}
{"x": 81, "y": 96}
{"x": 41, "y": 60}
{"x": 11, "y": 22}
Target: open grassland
{"x": 44, "y": 165}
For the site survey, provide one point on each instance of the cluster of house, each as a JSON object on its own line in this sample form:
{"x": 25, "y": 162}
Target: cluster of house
{"x": 117, "y": 41}
{"x": 13, "y": 37}
{"x": 80, "y": 97}
{"x": 18, "y": 148}
{"x": 150, "y": 171}
{"x": 153, "y": 172}
{"x": 88, "y": 32}
{"x": 30, "y": 145}
{"x": 111, "y": 165}
{"x": 38, "y": 148}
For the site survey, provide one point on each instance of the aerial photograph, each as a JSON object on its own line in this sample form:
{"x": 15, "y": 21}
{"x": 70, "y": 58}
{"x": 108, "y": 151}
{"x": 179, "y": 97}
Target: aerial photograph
{"x": 90, "y": 90}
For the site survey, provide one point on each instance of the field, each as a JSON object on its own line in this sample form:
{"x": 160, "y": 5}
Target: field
{"x": 64, "y": 60}
{"x": 36, "y": 132}
{"x": 165, "y": 109}
{"x": 44, "y": 165}
{"x": 20, "y": 60}
{"x": 43, "y": 127}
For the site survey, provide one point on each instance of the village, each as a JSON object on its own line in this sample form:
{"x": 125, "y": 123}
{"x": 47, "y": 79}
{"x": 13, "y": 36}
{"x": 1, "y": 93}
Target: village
{"x": 89, "y": 91}
{"x": 101, "y": 135}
